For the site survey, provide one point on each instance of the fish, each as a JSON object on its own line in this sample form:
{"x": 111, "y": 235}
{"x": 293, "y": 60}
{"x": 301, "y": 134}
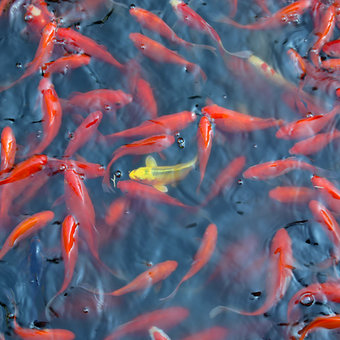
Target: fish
{"x": 204, "y": 143}
{"x": 292, "y": 194}
{"x": 202, "y": 257}
{"x": 38, "y": 16}
{"x": 277, "y": 168}
{"x": 8, "y": 149}
{"x": 332, "y": 48}
{"x": 83, "y": 133}
{"x": 212, "y": 333}
{"x": 233, "y": 121}
{"x": 116, "y": 210}
{"x": 328, "y": 322}
{"x": 25, "y": 229}
{"x": 52, "y": 114}
{"x": 285, "y": 15}
{"x": 70, "y": 37}
{"x": 164, "y": 124}
{"x": 157, "y": 52}
{"x": 65, "y": 63}
{"x": 3, "y": 5}
{"x": 157, "y": 334}
{"x": 141, "y": 147}
{"x": 281, "y": 265}
{"x": 160, "y": 176}
{"x": 163, "y": 318}
{"x": 331, "y": 64}
{"x": 226, "y": 177}
{"x": 299, "y": 62}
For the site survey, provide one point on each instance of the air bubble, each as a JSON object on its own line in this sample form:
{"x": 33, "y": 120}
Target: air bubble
{"x": 86, "y": 310}
{"x": 118, "y": 173}
{"x": 307, "y": 299}
{"x": 181, "y": 142}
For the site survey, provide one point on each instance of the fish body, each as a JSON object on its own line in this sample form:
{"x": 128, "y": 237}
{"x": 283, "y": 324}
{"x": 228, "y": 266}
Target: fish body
{"x": 8, "y": 149}
{"x": 328, "y": 322}
{"x": 212, "y": 333}
{"x": 157, "y": 334}
{"x": 292, "y": 194}
{"x": 332, "y": 48}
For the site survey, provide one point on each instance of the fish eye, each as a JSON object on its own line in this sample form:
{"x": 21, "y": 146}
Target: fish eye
{"x": 118, "y": 104}
{"x": 307, "y": 299}
{"x": 118, "y": 173}
{"x": 132, "y": 6}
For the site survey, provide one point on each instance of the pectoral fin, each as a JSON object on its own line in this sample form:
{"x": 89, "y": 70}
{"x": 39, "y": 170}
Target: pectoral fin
{"x": 150, "y": 162}
{"x": 161, "y": 188}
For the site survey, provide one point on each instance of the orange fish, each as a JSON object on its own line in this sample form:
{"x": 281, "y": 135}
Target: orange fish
{"x": 328, "y": 322}
{"x": 25, "y": 229}
{"x": 163, "y": 318}
{"x": 291, "y": 194}
{"x": 277, "y": 168}
{"x": 157, "y": 52}
{"x": 232, "y": 121}
{"x": 3, "y": 5}
{"x": 116, "y": 210}
{"x": 202, "y": 256}
{"x": 299, "y": 62}
{"x": 52, "y": 114}
{"x": 157, "y": 334}
{"x": 8, "y": 149}
{"x": 331, "y": 64}
{"x": 280, "y": 274}
{"x": 332, "y": 48}
{"x": 212, "y": 333}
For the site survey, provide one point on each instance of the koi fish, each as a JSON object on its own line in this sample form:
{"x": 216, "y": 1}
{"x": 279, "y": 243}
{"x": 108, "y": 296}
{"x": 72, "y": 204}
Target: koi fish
{"x": 83, "y": 133}
{"x": 65, "y": 63}
{"x": 291, "y": 194}
{"x": 328, "y": 322}
{"x": 314, "y": 144}
{"x": 332, "y": 48}
{"x": 232, "y": 121}
{"x": 276, "y": 168}
{"x": 280, "y": 274}
{"x": 8, "y": 149}
{"x": 25, "y": 169}
{"x": 134, "y": 189}
{"x": 157, "y": 334}
{"x": 141, "y": 147}
{"x": 116, "y": 210}
{"x": 38, "y": 16}
{"x": 307, "y": 127}
{"x": 202, "y": 256}
{"x": 159, "y": 53}
{"x": 150, "y": 277}
{"x": 164, "y": 124}
{"x": 52, "y": 114}
{"x": 154, "y": 23}
{"x": 331, "y": 64}
{"x": 286, "y": 14}
{"x": 42, "y": 55}
{"x": 25, "y": 229}
{"x": 204, "y": 143}
{"x": 212, "y": 333}
{"x": 88, "y": 46}
{"x": 160, "y": 176}
{"x": 100, "y": 100}
{"x": 163, "y": 318}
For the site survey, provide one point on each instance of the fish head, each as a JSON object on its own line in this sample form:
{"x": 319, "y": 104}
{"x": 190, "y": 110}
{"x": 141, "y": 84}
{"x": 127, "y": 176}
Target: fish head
{"x": 141, "y": 174}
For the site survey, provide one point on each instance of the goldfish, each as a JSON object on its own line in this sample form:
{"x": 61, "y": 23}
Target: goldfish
{"x": 157, "y": 334}
{"x": 276, "y": 168}
{"x": 331, "y": 64}
{"x": 204, "y": 143}
{"x": 52, "y": 114}
{"x": 26, "y": 228}
{"x": 226, "y": 177}
{"x": 160, "y": 176}
{"x": 232, "y": 121}
{"x": 332, "y": 48}
{"x": 83, "y": 133}
{"x": 280, "y": 274}
{"x": 162, "y": 318}
{"x": 65, "y": 63}
{"x": 116, "y": 210}
{"x": 157, "y": 52}
{"x": 328, "y": 322}
{"x": 202, "y": 257}
{"x": 164, "y": 124}
{"x": 292, "y": 194}
{"x": 8, "y": 149}
{"x": 86, "y": 45}
{"x": 279, "y": 18}
{"x": 299, "y": 62}
{"x": 212, "y": 333}
{"x": 141, "y": 147}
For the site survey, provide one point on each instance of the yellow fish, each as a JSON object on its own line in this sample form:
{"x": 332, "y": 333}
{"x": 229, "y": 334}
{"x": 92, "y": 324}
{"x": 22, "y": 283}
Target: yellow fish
{"x": 160, "y": 176}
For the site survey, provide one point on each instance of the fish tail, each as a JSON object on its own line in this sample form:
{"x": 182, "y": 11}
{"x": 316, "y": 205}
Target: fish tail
{"x": 172, "y": 295}
{"x": 240, "y": 54}
{"x": 212, "y": 49}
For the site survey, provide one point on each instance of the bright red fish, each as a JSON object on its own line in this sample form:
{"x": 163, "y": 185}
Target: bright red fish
{"x": 157, "y": 334}
{"x": 157, "y": 52}
{"x": 212, "y": 333}
{"x": 292, "y": 194}
{"x": 332, "y": 48}
{"x": 328, "y": 322}
{"x": 8, "y": 149}
{"x": 25, "y": 229}
{"x": 331, "y": 64}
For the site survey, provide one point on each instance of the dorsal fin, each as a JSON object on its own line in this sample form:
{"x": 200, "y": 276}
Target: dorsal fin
{"x": 150, "y": 162}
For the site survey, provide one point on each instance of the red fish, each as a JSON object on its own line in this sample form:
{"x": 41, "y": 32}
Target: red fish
{"x": 331, "y": 64}
{"x": 328, "y": 322}
{"x": 299, "y": 62}
{"x": 162, "y": 318}
{"x": 202, "y": 256}
{"x": 3, "y": 5}
{"x": 65, "y": 63}
{"x": 38, "y": 16}
{"x": 292, "y": 194}
{"x": 277, "y": 168}
{"x": 116, "y": 210}
{"x": 83, "y": 133}
{"x": 157, "y": 334}
{"x": 157, "y": 52}
{"x": 280, "y": 274}
{"x": 86, "y": 45}
{"x": 212, "y": 333}
{"x": 286, "y": 14}
{"x": 332, "y": 48}
{"x": 8, "y": 149}
{"x": 307, "y": 127}
{"x": 25, "y": 229}
{"x": 204, "y": 143}
{"x": 42, "y": 55}
{"x": 142, "y": 191}
{"x": 232, "y": 121}
{"x": 226, "y": 177}
{"x": 100, "y": 100}
{"x": 141, "y": 147}
{"x": 52, "y": 114}
{"x": 164, "y": 124}
{"x": 314, "y": 144}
